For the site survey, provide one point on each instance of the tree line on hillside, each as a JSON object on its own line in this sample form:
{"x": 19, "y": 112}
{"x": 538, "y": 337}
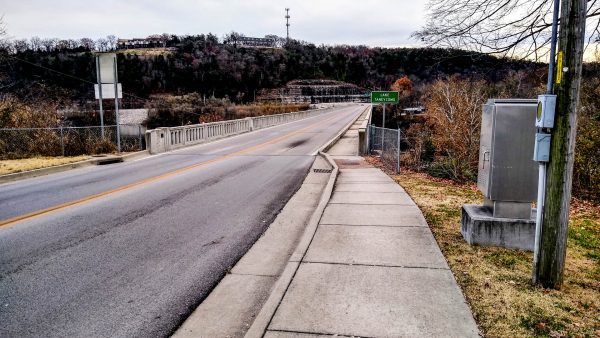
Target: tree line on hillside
{"x": 219, "y": 68}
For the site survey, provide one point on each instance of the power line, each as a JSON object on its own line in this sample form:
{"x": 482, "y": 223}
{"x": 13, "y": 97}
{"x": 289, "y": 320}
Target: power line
{"x": 68, "y": 75}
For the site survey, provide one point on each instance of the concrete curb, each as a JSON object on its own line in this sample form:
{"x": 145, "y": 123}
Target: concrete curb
{"x": 263, "y": 319}
{"x": 64, "y": 167}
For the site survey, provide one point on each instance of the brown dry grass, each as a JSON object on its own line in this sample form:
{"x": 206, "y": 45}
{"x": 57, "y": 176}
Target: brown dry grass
{"x": 496, "y": 281}
{"x": 15, "y": 166}
{"x": 147, "y": 51}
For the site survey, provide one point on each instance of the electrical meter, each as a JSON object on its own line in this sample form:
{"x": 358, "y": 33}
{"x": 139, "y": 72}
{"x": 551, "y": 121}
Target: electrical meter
{"x": 545, "y": 111}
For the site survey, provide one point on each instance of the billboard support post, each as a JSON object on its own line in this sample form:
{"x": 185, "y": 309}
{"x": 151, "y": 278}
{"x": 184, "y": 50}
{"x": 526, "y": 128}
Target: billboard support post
{"x": 99, "y": 79}
{"x": 107, "y": 76}
{"x": 116, "y": 83}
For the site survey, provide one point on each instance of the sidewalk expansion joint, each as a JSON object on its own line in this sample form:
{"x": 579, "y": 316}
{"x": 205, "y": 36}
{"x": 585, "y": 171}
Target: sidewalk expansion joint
{"x": 375, "y": 265}
{"x": 253, "y": 274}
{"x": 317, "y": 333}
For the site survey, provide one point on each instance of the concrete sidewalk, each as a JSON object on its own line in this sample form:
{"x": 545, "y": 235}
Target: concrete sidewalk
{"x": 373, "y": 268}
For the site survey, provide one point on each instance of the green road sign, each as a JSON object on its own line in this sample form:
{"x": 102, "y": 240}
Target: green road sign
{"x": 385, "y": 97}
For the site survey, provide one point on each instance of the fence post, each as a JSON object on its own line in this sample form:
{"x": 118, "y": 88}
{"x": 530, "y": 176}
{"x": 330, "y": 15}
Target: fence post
{"x": 62, "y": 141}
{"x": 382, "y": 141}
{"x": 371, "y": 136}
{"x": 398, "y": 153}
{"x": 368, "y": 150}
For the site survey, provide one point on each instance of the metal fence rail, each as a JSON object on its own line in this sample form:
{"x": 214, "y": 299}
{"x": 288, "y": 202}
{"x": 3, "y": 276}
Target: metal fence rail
{"x": 260, "y": 122}
{"x": 385, "y": 143}
{"x": 67, "y": 141}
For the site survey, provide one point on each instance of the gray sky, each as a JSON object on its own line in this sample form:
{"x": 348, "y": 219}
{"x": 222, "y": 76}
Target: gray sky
{"x": 387, "y": 23}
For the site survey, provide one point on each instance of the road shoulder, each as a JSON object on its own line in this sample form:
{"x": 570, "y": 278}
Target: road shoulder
{"x": 96, "y": 160}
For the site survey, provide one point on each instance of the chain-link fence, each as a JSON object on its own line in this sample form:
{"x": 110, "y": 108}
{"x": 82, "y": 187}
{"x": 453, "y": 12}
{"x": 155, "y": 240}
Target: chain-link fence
{"x": 68, "y": 141}
{"x": 386, "y": 143}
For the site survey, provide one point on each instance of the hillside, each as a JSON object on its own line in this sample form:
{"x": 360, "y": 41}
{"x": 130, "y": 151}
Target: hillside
{"x": 205, "y": 65}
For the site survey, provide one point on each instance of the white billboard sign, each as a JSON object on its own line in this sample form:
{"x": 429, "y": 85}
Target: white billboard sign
{"x": 108, "y": 91}
{"x": 107, "y": 67}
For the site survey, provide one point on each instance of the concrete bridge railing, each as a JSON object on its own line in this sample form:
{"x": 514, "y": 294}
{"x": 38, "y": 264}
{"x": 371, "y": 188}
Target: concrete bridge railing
{"x": 363, "y": 134}
{"x": 165, "y": 139}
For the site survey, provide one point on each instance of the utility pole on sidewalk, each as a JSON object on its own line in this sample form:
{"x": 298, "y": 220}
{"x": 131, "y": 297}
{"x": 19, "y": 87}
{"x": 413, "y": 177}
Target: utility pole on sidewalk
{"x": 553, "y": 238}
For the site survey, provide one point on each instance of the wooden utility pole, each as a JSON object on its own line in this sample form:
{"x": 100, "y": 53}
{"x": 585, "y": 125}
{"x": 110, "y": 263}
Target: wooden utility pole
{"x": 553, "y": 241}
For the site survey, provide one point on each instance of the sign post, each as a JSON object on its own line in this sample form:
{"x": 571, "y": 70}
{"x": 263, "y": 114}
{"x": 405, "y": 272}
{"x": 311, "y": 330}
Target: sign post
{"x": 383, "y": 98}
{"x": 116, "y": 83}
{"x": 108, "y": 88}
{"x": 99, "y": 79}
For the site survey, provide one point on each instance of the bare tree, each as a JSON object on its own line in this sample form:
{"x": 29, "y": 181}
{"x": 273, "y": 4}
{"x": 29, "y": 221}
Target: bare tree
{"x": 454, "y": 114}
{"x": 2, "y": 29}
{"x": 35, "y": 43}
{"x": 102, "y": 45}
{"x": 278, "y": 42}
{"x": 112, "y": 42}
{"x": 49, "y": 44}
{"x": 73, "y": 44}
{"x": 232, "y": 38}
{"x": 507, "y": 27}
{"x": 87, "y": 43}
{"x": 62, "y": 45}
{"x": 5, "y": 46}
{"x": 166, "y": 37}
{"x": 20, "y": 45}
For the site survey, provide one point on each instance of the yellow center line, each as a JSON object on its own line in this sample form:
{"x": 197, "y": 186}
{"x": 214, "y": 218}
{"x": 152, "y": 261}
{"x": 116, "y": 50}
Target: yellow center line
{"x": 21, "y": 218}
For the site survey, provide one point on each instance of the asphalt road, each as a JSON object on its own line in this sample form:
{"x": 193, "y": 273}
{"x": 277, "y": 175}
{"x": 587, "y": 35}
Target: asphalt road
{"x": 135, "y": 262}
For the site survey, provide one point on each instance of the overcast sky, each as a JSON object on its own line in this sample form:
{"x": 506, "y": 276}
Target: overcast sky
{"x": 387, "y": 23}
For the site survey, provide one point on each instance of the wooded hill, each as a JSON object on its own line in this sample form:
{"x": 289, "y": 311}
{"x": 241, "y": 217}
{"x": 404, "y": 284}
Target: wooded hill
{"x": 206, "y": 65}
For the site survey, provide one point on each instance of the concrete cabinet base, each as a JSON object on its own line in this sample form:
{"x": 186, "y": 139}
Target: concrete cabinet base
{"x": 478, "y": 226}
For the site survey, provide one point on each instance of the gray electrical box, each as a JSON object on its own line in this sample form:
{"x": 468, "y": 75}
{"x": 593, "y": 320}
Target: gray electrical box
{"x": 545, "y": 111}
{"x": 541, "y": 150}
{"x": 507, "y": 174}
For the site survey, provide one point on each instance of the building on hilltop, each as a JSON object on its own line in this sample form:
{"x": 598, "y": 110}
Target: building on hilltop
{"x": 247, "y": 41}
{"x": 141, "y": 43}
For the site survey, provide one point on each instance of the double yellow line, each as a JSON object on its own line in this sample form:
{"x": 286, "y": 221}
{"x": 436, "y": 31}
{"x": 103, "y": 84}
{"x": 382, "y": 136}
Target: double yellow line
{"x": 25, "y": 217}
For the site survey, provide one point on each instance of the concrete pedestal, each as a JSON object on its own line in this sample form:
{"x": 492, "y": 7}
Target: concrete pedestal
{"x": 478, "y": 226}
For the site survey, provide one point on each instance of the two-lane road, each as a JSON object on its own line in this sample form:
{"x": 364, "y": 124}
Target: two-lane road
{"x": 130, "y": 249}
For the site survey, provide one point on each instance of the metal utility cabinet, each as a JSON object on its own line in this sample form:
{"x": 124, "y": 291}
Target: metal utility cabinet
{"x": 507, "y": 174}
{"x": 507, "y": 177}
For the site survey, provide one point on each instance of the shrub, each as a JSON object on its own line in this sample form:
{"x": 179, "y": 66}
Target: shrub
{"x": 453, "y": 111}
{"x": 586, "y": 170}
